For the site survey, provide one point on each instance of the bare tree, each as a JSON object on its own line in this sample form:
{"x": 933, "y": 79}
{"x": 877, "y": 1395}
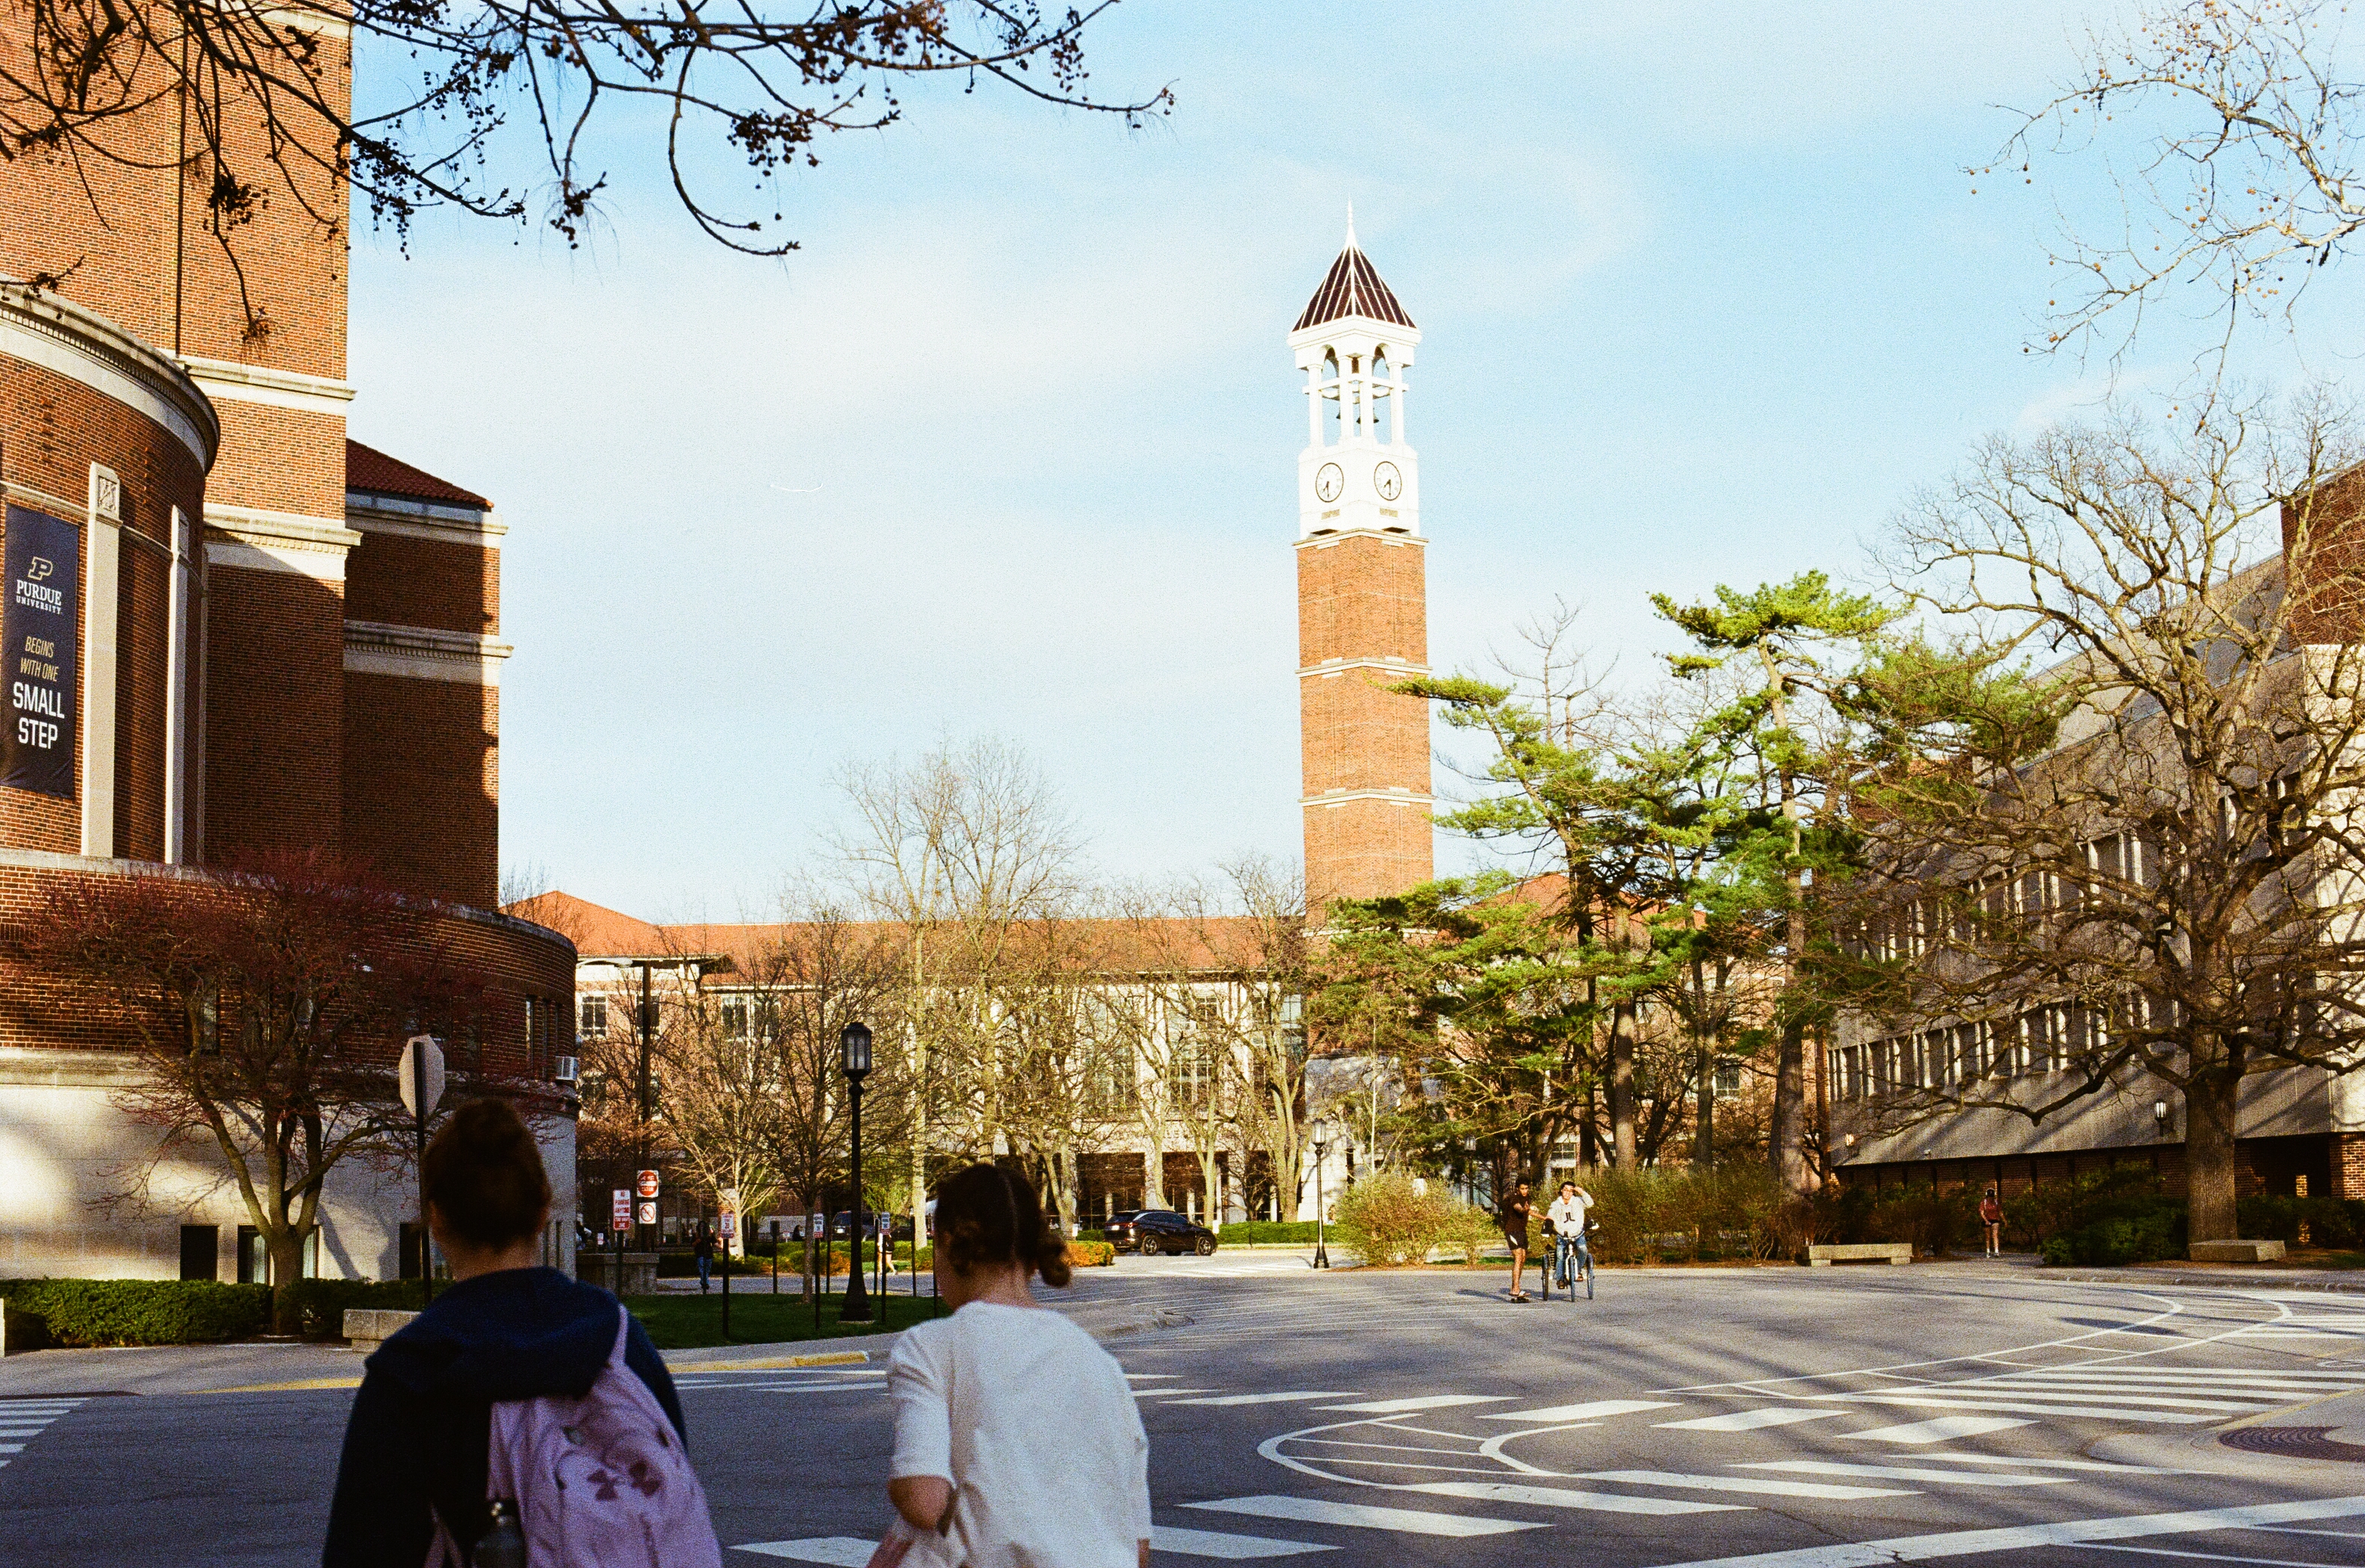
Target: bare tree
{"x": 254, "y": 103}
{"x": 2244, "y": 180}
{"x": 2146, "y": 865}
{"x": 264, "y": 1007}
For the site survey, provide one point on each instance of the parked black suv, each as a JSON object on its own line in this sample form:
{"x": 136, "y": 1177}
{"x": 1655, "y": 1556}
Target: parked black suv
{"x": 1157, "y": 1230}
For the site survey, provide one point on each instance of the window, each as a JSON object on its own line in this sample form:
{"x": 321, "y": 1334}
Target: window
{"x": 735, "y": 1020}
{"x": 594, "y": 1011}
{"x": 1190, "y": 1056}
{"x": 201, "y": 1252}
{"x": 1728, "y": 1080}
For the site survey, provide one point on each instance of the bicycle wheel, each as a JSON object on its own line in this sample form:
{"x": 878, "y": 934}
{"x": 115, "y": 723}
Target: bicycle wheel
{"x": 1588, "y": 1276}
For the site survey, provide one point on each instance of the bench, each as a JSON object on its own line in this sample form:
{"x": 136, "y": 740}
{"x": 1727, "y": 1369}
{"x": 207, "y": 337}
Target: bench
{"x": 1822, "y": 1255}
{"x": 2237, "y": 1251}
{"x": 367, "y": 1326}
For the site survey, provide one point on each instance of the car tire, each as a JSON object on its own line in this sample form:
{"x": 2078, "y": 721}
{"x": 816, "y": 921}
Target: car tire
{"x": 1206, "y": 1246}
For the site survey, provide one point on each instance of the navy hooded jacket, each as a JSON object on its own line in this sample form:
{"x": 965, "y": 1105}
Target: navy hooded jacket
{"x": 423, "y": 1417}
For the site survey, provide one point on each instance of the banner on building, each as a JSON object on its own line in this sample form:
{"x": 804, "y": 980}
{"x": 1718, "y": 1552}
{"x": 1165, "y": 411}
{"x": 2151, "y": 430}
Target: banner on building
{"x": 38, "y": 625}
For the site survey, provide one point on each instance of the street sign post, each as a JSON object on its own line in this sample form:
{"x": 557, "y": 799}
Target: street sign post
{"x": 727, "y": 1221}
{"x": 418, "y": 1078}
{"x": 620, "y": 1214}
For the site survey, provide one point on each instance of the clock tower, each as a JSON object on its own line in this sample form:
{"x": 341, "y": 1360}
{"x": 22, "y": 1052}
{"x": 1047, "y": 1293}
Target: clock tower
{"x": 1362, "y": 594}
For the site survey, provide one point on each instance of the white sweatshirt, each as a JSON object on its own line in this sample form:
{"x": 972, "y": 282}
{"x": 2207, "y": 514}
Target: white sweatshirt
{"x": 1034, "y": 1426}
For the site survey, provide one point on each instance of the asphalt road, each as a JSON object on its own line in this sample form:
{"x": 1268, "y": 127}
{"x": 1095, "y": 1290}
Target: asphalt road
{"x": 1803, "y": 1419}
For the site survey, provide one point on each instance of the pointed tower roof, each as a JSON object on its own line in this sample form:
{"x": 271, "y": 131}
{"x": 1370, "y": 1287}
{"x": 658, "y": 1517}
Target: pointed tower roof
{"x": 1352, "y": 288}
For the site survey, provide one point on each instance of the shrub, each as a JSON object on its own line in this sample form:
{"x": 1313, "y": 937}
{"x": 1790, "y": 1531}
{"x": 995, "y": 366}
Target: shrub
{"x": 1090, "y": 1254}
{"x": 133, "y": 1312}
{"x": 1389, "y": 1220}
{"x": 1469, "y": 1228}
{"x": 1933, "y": 1221}
{"x": 1684, "y": 1211}
{"x": 2328, "y": 1222}
{"x": 317, "y": 1307}
{"x": 2106, "y": 1218}
{"x": 1251, "y": 1232}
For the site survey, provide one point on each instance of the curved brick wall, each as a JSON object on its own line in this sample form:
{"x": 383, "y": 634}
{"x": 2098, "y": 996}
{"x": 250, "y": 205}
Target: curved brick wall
{"x": 74, "y": 392}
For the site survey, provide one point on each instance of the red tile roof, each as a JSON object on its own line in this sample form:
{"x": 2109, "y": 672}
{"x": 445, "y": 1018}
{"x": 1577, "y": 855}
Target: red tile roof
{"x": 1354, "y": 288}
{"x": 366, "y": 468}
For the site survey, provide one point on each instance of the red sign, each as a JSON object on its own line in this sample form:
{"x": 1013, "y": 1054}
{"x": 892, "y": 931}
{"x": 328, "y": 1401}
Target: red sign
{"x": 623, "y": 1215}
{"x": 648, "y": 1184}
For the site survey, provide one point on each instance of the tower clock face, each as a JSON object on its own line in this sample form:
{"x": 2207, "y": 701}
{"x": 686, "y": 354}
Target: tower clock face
{"x": 1330, "y": 482}
{"x": 1387, "y": 481}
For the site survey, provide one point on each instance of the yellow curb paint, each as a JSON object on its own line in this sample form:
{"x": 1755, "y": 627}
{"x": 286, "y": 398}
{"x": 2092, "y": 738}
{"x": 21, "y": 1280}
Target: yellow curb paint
{"x": 835, "y": 1358}
{"x": 288, "y": 1387}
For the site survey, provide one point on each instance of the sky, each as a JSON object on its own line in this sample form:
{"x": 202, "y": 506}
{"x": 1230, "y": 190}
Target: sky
{"x": 1009, "y": 447}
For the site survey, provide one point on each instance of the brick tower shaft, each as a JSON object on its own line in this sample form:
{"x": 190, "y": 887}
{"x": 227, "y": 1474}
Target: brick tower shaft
{"x": 1362, "y": 598}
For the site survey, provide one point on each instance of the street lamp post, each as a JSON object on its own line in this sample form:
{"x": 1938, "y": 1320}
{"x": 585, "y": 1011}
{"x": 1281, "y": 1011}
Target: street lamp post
{"x": 854, "y": 1046}
{"x": 1321, "y": 1143}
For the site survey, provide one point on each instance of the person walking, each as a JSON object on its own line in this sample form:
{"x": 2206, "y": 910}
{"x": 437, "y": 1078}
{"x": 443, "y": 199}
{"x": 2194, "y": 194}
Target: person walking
{"x": 426, "y": 1441}
{"x": 1017, "y": 1444}
{"x": 703, "y": 1245}
{"x": 1992, "y": 1216}
{"x": 1513, "y": 1216}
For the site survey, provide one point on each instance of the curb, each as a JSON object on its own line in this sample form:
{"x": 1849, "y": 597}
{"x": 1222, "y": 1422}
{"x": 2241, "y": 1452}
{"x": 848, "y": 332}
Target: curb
{"x": 2209, "y": 1281}
{"x": 774, "y": 1363}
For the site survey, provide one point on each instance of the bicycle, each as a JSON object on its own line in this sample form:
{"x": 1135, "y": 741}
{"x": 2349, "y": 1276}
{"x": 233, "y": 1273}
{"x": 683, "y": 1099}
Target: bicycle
{"x": 1571, "y": 1257}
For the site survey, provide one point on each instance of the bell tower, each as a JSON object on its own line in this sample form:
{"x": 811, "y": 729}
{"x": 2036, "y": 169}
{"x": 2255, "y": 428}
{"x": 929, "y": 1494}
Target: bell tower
{"x": 1363, "y": 593}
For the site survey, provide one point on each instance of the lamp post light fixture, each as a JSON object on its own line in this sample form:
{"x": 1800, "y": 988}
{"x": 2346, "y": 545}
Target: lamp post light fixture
{"x": 1321, "y": 1144}
{"x": 2159, "y": 1112}
{"x": 854, "y": 1049}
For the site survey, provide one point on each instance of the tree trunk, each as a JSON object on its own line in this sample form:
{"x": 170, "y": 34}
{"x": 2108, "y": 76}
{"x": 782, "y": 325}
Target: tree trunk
{"x": 286, "y": 1266}
{"x": 1588, "y": 1142}
{"x": 1704, "y": 1072}
{"x": 2211, "y": 1165}
{"x": 1789, "y": 1129}
{"x": 1153, "y": 1174}
{"x": 1621, "y": 1083}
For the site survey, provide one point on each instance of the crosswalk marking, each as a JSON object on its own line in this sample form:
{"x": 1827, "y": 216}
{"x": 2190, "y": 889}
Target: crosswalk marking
{"x": 838, "y": 1550}
{"x": 1232, "y": 1548}
{"x": 1961, "y": 1402}
{"x": 1938, "y": 1429}
{"x": 1362, "y": 1515}
{"x": 1418, "y": 1402}
{"x": 1266, "y": 1398}
{"x": 1597, "y": 1410}
{"x": 1767, "y": 1487}
{"x": 1903, "y": 1472}
{"x": 2210, "y": 1377}
{"x": 1749, "y": 1420}
{"x": 2024, "y": 1538}
{"x": 1169, "y": 1393}
{"x": 1571, "y": 1497}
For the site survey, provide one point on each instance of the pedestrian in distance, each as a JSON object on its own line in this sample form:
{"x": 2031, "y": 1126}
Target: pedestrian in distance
{"x": 1992, "y": 1216}
{"x": 1017, "y": 1444}
{"x": 1513, "y": 1216}
{"x": 703, "y": 1246}
{"x": 471, "y": 1417}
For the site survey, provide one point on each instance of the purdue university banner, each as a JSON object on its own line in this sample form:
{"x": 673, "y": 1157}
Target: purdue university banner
{"x": 39, "y": 624}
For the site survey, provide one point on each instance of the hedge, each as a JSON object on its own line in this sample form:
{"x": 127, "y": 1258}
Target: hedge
{"x": 132, "y": 1311}
{"x": 2338, "y": 1223}
{"x": 1251, "y": 1232}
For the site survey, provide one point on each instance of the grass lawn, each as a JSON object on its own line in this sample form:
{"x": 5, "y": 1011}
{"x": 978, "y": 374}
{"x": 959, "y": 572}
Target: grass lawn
{"x": 758, "y": 1317}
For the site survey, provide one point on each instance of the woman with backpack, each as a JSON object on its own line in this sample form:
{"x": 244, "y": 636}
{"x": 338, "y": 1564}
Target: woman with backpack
{"x": 516, "y": 1380}
{"x": 1017, "y": 1444}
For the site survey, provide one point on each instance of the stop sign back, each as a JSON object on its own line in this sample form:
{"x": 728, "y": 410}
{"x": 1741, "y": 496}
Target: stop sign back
{"x": 648, "y": 1184}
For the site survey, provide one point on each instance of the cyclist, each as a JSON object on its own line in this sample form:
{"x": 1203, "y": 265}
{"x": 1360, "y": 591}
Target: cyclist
{"x": 1565, "y": 1219}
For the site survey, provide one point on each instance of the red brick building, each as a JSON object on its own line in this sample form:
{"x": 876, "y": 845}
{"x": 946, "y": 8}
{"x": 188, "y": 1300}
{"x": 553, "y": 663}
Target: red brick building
{"x": 241, "y": 633}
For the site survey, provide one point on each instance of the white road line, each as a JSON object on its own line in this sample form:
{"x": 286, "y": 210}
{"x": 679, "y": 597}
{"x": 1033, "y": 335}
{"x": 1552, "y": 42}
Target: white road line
{"x": 1937, "y": 1430}
{"x": 1392, "y": 1448}
{"x": 2205, "y": 1377}
{"x": 2024, "y": 1538}
{"x": 1418, "y": 1402}
{"x": 1169, "y": 1393}
{"x": 1767, "y": 1487}
{"x": 1748, "y": 1420}
{"x": 2093, "y": 1464}
{"x": 2074, "y": 1393}
{"x": 1593, "y": 1412}
{"x": 1151, "y": 1377}
{"x": 1903, "y": 1472}
{"x": 1361, "y": 1516}
{"x": 838, "y": 1550}
{"x": 12, "y": 1448}
{"x": 1570, "y": 1497}
{"x": 2200, "y": 1556}
{"x": 2288, "y": 1530}
{"x": 1232, "y": 1548}
{"x": 2254, "y": 1392}
{"x": 1267, "y": 1398}
{"x": 1957, "y": 1402}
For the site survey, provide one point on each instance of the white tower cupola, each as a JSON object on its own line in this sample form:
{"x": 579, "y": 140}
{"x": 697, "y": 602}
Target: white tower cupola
{"x": 1358, "y": 472}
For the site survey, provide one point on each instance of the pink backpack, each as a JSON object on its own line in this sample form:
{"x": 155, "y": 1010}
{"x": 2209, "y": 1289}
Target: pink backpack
{"x": 601, "y": 1482}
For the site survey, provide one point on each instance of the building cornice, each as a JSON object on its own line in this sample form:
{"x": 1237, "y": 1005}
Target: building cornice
{"x": 1395, "y": 666}
{"x": 1339, "y": 536}
{"x": 1393, "y": 796}
{"x": 252, "y": 539}
{"x": 401, "y": 515}
{"x": 424, "y": 653}
{"x": 259, "y": 384}
{"x": 42, "y": 328}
